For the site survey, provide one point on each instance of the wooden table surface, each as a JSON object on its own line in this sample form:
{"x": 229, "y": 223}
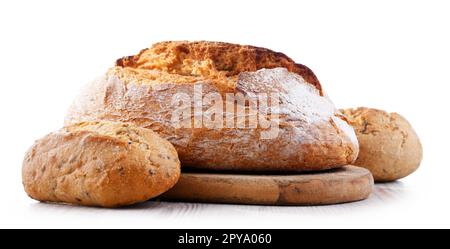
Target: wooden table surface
{"x": 393, "y": 204}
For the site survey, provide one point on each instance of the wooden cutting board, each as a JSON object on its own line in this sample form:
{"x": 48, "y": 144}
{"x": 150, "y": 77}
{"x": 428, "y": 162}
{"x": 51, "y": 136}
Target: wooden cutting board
{"x": 343, "y": 185}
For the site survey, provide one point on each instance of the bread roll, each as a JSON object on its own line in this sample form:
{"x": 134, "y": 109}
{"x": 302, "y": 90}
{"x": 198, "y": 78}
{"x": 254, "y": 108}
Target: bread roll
{"x": 310, "y": 133}
{"x": 100, "y": 164}
{"x": 389, "y": 146}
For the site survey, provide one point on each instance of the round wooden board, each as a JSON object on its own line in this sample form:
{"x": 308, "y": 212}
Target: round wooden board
{"x": 343, "y": 185}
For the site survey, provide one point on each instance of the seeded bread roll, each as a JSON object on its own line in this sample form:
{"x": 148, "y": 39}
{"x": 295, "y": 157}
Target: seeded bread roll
{"x": 311, "y": 133}
{"x": 100, "y": 164}
{"x": 389, "y": 146}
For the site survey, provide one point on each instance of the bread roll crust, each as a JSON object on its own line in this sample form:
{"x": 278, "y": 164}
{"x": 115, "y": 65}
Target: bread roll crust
{"x": 313, "y": 135}
{"x": 389, "y": 146}
{"x": 100, "y": 164}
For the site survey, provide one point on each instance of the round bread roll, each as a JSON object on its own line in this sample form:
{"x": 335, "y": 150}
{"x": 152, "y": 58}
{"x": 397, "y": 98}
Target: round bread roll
{"x": 100, "y": 164}
{"x": 388, "y": 145}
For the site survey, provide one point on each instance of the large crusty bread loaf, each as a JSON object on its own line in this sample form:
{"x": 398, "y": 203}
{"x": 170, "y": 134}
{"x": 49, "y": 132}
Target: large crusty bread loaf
{"x": 100, "y": 164}
{"x": 312, "y": 135}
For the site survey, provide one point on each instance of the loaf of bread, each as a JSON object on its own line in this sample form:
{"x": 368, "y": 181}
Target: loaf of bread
{"x": 389, "y": 146}
{"x": 100, "y": 164}
{"x": 307, "y": 133}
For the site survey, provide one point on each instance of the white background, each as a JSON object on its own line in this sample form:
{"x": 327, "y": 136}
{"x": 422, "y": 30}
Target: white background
{"x": 393, "y": 55}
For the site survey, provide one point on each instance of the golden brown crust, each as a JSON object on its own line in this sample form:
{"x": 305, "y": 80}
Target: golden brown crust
{"x": 224, "y": 58}
{"x": 100, "y": 164}
{"x": 389, "y": 146}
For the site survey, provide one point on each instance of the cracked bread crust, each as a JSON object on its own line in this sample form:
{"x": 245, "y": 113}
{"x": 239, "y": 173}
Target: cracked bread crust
{"x": 313, "y": 135}
{"x": 213, "y": 60}
{"x": 389, "y": 146}
{"x": 100, "y": 164}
